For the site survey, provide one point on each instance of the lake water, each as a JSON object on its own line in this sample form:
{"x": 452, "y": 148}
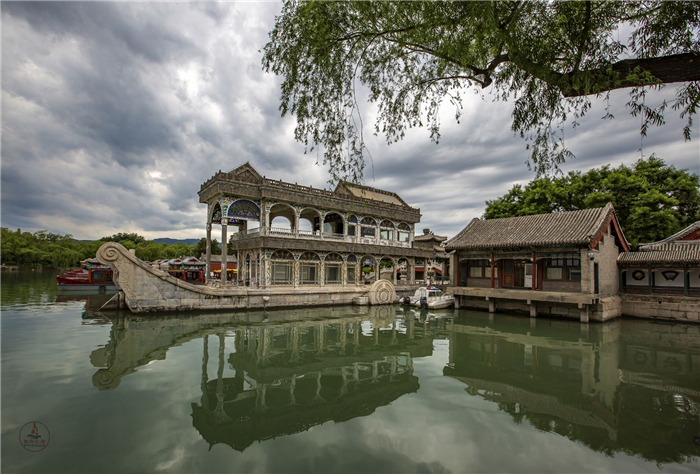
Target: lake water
{"x": 352, "y": 389}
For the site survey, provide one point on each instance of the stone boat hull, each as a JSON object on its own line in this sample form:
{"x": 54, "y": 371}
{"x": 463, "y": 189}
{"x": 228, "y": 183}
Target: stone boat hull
{"x": 143, "y": 288}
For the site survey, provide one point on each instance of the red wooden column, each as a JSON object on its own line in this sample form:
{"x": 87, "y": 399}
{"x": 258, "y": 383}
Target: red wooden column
{"x": 458, "y": 276}
{"x": 534, "y": 270}
{"x": 493, "y": 276}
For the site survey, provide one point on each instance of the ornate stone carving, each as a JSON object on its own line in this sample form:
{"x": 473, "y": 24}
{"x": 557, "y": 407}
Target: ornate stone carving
{"x": 245, "y": 209}
{"x": 382, "y": 292}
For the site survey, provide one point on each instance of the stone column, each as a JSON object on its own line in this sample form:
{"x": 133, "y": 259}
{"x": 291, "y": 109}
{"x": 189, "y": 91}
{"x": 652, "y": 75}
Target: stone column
{"x": 296, "y": 224}
{"x": 264, "y": 218}
{"x": 207, "y": 277}
{"x": 224, "y": 258}
{"x": 412, "y": 271}
{"x": 205, "y": 375}
{"x": 393, "y": 269}
{"x": 322, "y": 273}
{"x": 344, "y": 273}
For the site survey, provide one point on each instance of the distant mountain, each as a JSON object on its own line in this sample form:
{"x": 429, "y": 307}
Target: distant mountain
{"x": 164, "y": 240}
{"x": 168, "y": 241}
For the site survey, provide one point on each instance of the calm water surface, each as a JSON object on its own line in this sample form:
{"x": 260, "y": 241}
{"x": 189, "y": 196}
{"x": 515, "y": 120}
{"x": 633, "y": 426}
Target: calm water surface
{"x": 351, "y": 389}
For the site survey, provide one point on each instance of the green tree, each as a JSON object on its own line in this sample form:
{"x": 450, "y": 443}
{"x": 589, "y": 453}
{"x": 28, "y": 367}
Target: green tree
{"x": 652, "y": 199}
{"x": 549, "y": 58}
{"x": 122, "y": 237}
{"x": 201, "y": 247}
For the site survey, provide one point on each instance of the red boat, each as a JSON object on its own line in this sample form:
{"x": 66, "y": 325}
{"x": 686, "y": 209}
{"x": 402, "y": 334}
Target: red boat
{"x": 91, "y": 277}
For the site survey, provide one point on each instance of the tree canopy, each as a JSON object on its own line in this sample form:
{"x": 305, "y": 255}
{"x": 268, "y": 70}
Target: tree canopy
{"x": 44, "y": 248}
{"x": 549, "y": 58}
{"x": 652, "y": 200}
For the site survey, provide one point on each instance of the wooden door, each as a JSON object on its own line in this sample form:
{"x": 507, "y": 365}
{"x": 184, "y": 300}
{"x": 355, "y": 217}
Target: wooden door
{"x": 518, "y": 274}
{"x": 508, "y": 273}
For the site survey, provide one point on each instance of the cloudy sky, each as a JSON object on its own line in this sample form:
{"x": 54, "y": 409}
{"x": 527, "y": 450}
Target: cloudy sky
{"x": 113, "y": 114}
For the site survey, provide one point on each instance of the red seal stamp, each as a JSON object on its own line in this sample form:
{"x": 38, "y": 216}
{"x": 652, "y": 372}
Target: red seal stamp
{"x": 34, "y": 436}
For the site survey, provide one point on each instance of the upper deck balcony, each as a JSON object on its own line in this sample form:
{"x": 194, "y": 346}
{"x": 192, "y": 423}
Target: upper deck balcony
{"x": 381, "y": 238}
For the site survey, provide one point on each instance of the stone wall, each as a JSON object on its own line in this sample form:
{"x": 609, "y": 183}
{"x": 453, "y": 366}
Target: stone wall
{"x": 605, "y": 255}
{"x": 566, "y": 286}
{"x": 673, "y": 308}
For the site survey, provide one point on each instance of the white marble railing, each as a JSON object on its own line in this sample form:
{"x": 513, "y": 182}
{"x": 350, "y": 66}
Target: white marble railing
{"x": 315, "y": 235}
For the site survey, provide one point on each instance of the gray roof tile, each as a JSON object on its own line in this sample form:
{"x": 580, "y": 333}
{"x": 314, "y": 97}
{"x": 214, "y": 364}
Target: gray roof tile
{"x": 674, "y": 253}
{"x": 541, "y": 230}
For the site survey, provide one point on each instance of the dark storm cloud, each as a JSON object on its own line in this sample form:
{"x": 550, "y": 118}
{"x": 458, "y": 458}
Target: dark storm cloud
{"x": 113, "y": 114}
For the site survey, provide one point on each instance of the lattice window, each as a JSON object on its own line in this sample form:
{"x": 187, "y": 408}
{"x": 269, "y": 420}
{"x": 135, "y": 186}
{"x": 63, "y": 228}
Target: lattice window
{"x": 332, "y": 273}
{"x": 308, "y": 273}
{"x": 281, "y": 273}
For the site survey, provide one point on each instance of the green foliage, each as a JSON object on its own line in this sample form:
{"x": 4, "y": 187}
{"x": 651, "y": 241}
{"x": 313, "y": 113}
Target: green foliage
{"x": 60, "y": 251}
{"x": 549, "y": 58}
{"x": 652, "y": 200}
{"x": 123, "y": 237}
{"x": 201, "y": 247}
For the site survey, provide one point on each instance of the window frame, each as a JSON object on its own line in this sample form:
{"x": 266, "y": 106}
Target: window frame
{"x": 567, "y": 266}
{"x": 307, "y": 264}
{"x": 333, "y": 265}
{"x": 281, "y": 263}
{"x": 484, "y": 265}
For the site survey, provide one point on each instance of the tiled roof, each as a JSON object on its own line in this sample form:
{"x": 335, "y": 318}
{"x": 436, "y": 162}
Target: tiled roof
{"x": 673, "y": 253}
{"x": 368, "y": 192}
{"x": 428, "y": 237}
{"x": 674, "y": 238}
{"x": 541, "y": 230}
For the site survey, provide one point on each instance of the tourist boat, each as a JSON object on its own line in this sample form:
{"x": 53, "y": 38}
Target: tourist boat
{"x": 91, "y": 277}
{"x": 430, "y": 297}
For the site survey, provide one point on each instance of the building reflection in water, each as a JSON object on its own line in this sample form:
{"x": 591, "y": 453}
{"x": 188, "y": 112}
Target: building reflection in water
{"x": 624, "y": 386}
{"x": 289, "y": 376}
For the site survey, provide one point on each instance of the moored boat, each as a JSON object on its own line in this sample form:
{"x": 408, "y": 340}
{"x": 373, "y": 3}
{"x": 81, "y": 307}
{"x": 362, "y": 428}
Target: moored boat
{"x": 91, "y": 277}
{"x": 430, "y": 297}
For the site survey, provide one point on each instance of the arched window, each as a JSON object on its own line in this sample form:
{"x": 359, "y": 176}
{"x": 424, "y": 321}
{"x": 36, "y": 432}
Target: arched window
{"x": 216, "y": 214}
{"x": 387, "y": 230}
{"x": 333, "y": 224}
{"x": 352, "y": 225}
{"x": 404, "y": 232}
{"x": 281, "y": 218}
{"x": 309, "y": 222}
{"x": 282, "y": 270}
{"x": 351, "y": 269}
{"x": 309, "y": 263}
{"x": 368, "y": 227}
{"x": 333, "y": 267}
